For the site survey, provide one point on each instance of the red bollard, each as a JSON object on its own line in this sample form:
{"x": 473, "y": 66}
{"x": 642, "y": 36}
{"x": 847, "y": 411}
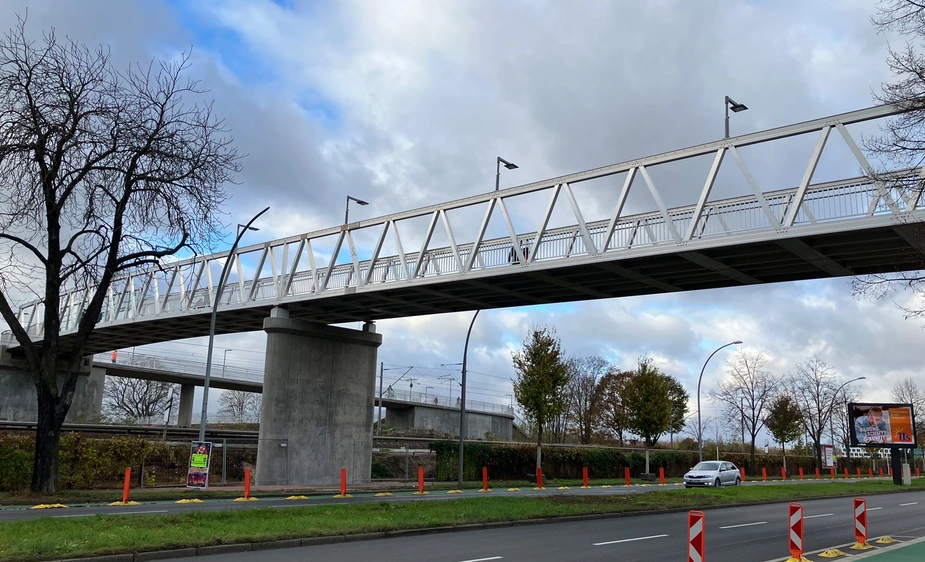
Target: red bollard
{"x": 661, "y": 476}
{"x": 584, "y": 477}
{"x": 343, "y": 481}
{"x": 626, "y": 474}
{"x": 818, "y": 475}
{"x": 881, "y": 472}
{"x": 764, "y": 474}
{"x": 539, "y": 478}
{"x": 917, "y": 472}
{"x": 870, "y": 472}
{"x": 247, "y": 483}
{"x": 783, "y": 473}
{"x": 796, "y": 530}
{"x": 742, "y": 472}
{"x": 859, "y": 473}
{"x": 846, "y": 473}
{"x": 420, "y": 480}
{"x": 485, "y": 478}
{"x": 128, "y": 482}
{"x": 832, "y": 472}
{"x": 860, "y": 521}
{"x": 696, "y": 543}
{"x": 801, "y": 473}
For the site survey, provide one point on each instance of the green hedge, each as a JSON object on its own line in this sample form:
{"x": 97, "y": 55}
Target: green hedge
{"x": 508, "y": 462}
{"x": 86, "y": 463}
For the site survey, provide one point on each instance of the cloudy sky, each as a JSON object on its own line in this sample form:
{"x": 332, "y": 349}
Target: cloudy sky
{"x": 407, "y": 103}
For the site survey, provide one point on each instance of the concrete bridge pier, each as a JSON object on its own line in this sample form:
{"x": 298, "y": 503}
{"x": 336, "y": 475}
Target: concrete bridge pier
{"x": 185, "y": 411}
{"x": 318, "y": 398}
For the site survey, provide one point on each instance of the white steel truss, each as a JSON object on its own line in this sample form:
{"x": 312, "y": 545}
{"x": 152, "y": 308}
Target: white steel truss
{"x": 300, "y": 271}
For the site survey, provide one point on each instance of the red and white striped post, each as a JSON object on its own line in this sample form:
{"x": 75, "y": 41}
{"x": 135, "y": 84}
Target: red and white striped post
{"x": 860, "y": 521}
{"x": 696, "y": 543}
{"x": 796, "y": 530}
{"x": 661, "y": 476}
{"x": 420, "y": 481}
{"x": 539, "y": 478}
{"x": 343, "y": 481}
{"x": 783, "y": 473}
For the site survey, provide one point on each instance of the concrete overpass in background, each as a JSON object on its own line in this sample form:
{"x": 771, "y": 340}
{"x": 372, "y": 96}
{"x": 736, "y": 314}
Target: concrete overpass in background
{"x": 294, "y": 288}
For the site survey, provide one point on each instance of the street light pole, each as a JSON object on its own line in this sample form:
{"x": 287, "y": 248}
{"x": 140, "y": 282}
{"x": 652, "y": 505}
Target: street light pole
{"x": 699, "y": 425}
{"x": 462, "y": 400}
{"x": 735, "y": 107}
{"x": 225, "y": 358}
{"x": 347, "y": 207}
{"x": 218, "y": 296}
{"x": 508, "y": 165}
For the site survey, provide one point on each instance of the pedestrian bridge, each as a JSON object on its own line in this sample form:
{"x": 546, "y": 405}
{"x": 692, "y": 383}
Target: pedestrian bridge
{"x": 477, "y": 253}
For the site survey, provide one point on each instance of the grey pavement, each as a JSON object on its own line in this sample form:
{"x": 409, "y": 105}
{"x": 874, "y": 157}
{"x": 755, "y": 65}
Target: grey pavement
{"x": 743, "y": 534}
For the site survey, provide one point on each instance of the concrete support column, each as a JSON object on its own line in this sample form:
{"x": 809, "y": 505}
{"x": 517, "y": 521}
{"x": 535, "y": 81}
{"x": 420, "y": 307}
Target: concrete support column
{"x": 318, "y": 392}
{"x": 185, "y": 412}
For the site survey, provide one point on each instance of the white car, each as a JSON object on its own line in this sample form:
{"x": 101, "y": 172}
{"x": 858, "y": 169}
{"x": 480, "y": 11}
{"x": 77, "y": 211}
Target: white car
{"x": 712, "y": 474}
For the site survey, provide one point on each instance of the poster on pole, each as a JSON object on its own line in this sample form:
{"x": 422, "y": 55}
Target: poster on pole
{"x": 199, "y": 459}
{"x": 881, "y": 425}
{"x": 829, "y": 456}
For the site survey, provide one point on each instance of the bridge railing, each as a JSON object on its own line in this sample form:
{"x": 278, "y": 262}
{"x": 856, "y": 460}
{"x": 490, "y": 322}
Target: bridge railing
{"x": 181, "y": 365}
{"x": 431, "y": 399}
{"x": 294, "y": 268}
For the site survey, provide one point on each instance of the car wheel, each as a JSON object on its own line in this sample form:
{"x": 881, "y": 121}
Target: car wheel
{"x": 717, "y": 483}
{"x": 738, "y": 480}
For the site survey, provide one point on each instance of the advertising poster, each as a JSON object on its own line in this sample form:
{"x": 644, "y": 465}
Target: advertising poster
{"x": 200, "y": 455}
{"x": 829, "y": 454}
{"x": 881, "y": 425}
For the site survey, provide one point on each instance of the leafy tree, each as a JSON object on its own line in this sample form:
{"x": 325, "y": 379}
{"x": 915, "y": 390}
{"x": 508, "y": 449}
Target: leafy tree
{"x": 541, "y": 379}
{"x": 610, "y": 389}
{"x": 584, "y": 398}
{"x": 785, "y": 422}
{"x": 653, "y": 401}
{"x": 746, "y": 393}
{"x": 135, "y": 399}
{"x": 101, "y": 171}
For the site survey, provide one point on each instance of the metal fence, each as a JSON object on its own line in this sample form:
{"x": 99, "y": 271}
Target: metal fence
{"x": 432, "y": 399}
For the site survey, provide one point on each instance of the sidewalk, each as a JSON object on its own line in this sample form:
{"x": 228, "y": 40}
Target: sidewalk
{"x": 914, "y": 552}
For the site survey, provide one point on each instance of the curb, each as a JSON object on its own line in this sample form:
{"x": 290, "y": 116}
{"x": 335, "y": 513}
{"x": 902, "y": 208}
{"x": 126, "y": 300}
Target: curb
{"x": 312, "y": 541}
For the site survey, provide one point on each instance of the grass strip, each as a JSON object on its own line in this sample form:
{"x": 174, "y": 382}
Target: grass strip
{"x": 49, "y": 538}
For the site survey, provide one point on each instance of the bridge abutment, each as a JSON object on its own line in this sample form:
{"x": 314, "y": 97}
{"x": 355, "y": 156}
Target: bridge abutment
{"x": 185, "y": 411}
{"x": 318, "y": 392}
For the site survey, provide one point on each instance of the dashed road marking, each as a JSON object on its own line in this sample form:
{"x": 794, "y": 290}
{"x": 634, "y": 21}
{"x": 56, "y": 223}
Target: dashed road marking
{"x": 910, "y": 503}
{"x": 744, "y": 525}
{"x": 820, "y": 515}
{"x": 630, "y": 540}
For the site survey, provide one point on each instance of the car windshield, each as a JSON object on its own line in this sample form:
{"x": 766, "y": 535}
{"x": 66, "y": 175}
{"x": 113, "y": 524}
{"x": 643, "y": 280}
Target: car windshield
{"x": 707, "y": 466}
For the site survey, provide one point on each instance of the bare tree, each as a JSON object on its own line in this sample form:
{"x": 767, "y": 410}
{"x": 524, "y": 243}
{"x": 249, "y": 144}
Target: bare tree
{"x": 101, "y": 171}
{"x": 612, "y": 410}
{"x": 241, "y": 406}
{"x": 747, "y": 393}
{"x": 908, "y": 392}
{"x": 902, "y": 143}
{"x": 135, "y": 399}
{"x": 584, "y": 398}
{"x": 813, "y": 386}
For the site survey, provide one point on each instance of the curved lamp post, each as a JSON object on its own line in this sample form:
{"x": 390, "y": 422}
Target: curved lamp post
{"x": 699, "y": 426}
{"x": 462, "y": 399}
{"x": 218, "y": 296}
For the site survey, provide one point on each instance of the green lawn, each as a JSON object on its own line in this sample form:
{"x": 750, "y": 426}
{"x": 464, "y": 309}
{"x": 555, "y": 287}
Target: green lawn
{"x": 48, "y": 538}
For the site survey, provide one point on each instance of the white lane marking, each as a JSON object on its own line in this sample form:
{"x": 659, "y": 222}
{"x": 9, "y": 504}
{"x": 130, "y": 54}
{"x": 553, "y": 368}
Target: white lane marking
{"x": 744, "y": 525}
{"x": 873, "y": 508}
{"x": 482, "y": 559}
{"x": 78, "y": 515}
{"x": 910, "y": 503}
{"x": 139, "y": 512}
{"x": 630, "y": 540}
{"x": 820, "y": 515}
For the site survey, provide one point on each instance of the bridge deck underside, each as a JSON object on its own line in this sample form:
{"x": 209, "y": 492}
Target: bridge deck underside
{"x": 858, "y": 252}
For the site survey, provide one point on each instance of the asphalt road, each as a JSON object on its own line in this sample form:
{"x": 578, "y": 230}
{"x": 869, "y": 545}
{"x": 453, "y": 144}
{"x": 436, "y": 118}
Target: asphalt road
{"x": 744, "y": 534}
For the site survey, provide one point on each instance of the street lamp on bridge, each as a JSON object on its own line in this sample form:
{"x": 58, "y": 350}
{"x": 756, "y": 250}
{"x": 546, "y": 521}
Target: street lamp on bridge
{"x": 347, "y": 207}
{"x": 508, "y": 165}
{"x": 735, "y": 107}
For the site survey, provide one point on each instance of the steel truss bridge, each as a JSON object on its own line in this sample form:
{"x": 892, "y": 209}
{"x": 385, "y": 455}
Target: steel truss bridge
{"x": 853, "y": 226}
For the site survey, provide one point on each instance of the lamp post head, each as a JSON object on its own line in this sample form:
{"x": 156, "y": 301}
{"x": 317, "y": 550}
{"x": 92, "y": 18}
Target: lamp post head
{"x": 508, "y": 165}
{"x": 737, "y": 342}
{"x": 734, "y": 106}
{"x": 357, "y": 201}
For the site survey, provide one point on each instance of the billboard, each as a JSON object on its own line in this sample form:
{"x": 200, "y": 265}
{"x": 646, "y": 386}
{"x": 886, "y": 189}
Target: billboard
{"x": 881, "y": 425}
{"x": 199, "y": 460}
